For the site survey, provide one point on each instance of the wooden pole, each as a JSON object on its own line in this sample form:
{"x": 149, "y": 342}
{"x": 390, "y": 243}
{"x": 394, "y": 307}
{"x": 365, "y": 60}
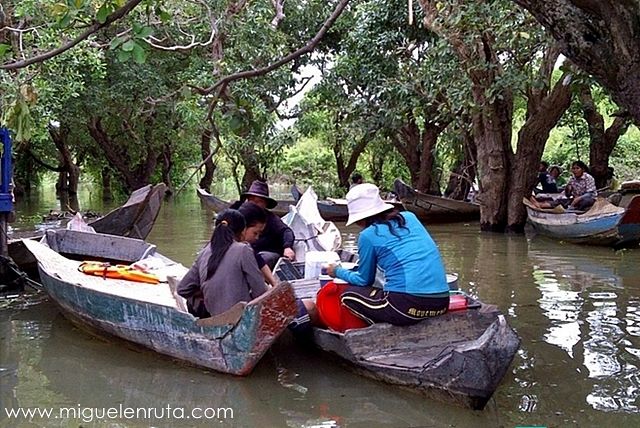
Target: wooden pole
{"x": 4, "y": 248}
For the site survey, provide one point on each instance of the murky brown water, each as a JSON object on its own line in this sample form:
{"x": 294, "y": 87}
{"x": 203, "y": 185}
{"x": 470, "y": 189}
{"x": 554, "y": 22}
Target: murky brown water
{"x": 576, "y": 310}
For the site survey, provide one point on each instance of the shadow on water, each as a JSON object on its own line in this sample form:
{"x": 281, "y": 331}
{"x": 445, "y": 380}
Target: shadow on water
{"x": 575, "y": 309}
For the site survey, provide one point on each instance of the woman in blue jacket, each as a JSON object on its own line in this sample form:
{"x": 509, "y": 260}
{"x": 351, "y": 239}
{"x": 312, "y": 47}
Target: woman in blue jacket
{"x": 416, "y": 285}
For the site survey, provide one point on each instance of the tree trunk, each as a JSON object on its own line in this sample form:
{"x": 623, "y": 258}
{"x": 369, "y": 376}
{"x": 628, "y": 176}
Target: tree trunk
{"x": 464, "y": 174}
{"x": 107, "y": 192}
{"x": 601, "y": 37}
{"x": 543, "y": 115}
{"x": 601, "y": 141}
{"x": 134, "y": 173}
{"x": 209, "y": 167}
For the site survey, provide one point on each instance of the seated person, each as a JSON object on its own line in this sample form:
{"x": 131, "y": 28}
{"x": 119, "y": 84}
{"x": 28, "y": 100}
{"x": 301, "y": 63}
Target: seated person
{"x": 580, "y": 191}
{"x": 545, "y": 179}
{"x": 554, "y": 176}
{"x": 256, "y": 219}
{"x": 225, "y": 272}
{"x": 277, "y": 238}
{"x": 416, "y": 285}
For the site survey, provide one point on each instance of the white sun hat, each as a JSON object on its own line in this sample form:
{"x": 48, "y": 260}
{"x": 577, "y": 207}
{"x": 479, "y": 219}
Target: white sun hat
{"x": 364, "y": 201}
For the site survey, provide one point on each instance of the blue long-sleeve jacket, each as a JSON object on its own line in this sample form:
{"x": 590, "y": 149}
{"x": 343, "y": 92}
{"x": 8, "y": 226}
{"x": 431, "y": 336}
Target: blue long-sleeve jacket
{"x": 411, "y": 261}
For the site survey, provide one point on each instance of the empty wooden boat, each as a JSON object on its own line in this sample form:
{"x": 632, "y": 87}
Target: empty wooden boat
{"x": 216, "y": 204}
{"x": 435, "y": 209}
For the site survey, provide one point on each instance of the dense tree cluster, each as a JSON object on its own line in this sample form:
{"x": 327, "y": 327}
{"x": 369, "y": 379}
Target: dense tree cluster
{"x": 448, "y": 95}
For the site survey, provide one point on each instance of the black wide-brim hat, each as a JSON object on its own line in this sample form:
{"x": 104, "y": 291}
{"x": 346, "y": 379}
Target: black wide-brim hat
{"x": 260, "y": 189}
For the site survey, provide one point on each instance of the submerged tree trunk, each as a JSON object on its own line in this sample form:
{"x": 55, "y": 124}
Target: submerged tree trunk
{"x": 135, "y": 173}
{"x": 417, "y": 146}
{"x": 107, "y": 191}
{"x": 209, "y": 166}
{"x": 544, "y": 110}
{"x": 464, "y": 173}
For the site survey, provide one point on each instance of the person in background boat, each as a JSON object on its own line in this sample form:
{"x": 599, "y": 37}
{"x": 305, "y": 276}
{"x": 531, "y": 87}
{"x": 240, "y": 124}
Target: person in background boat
{"x": 225, "y": 272}
{"x": 554, "y": 175}
{"x": 256, "y": 220}
{"x": 612, "y": 182}
{"x": 277, "y": 238}
{"x": 356, "y": 179}
{"x": 580, "y": 191}
{"x": 545, "y": 179}
{"x": 416, "y": 285}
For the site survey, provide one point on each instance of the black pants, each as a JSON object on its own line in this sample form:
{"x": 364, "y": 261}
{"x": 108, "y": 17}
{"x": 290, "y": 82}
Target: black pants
{"x": 375, "y": 305}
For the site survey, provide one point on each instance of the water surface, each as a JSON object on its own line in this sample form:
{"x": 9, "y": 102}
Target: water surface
{"x": 575, "y": 309}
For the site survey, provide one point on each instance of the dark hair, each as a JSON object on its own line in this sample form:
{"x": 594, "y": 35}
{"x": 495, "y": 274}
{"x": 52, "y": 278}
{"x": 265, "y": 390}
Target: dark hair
{"x": 356, "y": 178}
{"x": 386, "y": 218}
{"x": 229, "y": 226}
{"x": 545, "y": 163}
{"x": 253, "y": 214}
{"x": 583, "y": 166}
{"x": 557, "y": 168}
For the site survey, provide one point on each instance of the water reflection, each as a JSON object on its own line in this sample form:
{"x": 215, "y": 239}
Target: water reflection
{"x": 575, "y": 309}
{"x": 583, "y": 297}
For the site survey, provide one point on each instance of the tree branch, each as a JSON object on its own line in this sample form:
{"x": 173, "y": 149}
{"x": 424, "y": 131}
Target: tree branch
{"x": 123, "y": 11}
{"x": 309, "y": 47}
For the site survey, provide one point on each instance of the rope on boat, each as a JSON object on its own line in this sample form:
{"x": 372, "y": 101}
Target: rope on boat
{"x": 19, "y": 278}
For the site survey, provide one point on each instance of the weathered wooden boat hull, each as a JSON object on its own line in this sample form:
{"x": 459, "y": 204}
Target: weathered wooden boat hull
{"x": 629, "y": 227}
{"x": 459, "y": 357}
{"x": 464, "y": 371}
{"x": 435, "y": 209}
{"x": 333, "y": 212}
{"x": 598, "y": 226}
{"x": 216, "y": 204}
{"x": 136, "y": 217}
{"x": 157, "y": 321}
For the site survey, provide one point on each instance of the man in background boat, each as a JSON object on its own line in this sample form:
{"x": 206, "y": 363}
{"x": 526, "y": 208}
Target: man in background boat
{"x": 277, "y": 239}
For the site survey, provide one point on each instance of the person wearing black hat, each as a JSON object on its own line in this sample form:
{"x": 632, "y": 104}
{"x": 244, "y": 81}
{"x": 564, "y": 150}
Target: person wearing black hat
{"x": 277, "y": 238}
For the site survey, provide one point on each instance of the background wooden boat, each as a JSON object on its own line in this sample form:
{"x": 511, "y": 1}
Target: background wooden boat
{"x": 216, "y": 204}
{"x": 134, "y": 219}
{"x": 334, "y": 209}
{"x": 459, "y": 357}
{"x": 434, "y": 209}
{"x": 598, "y": 226}
{"x": 152, "y": 315}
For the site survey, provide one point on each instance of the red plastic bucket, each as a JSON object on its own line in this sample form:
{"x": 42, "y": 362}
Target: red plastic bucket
{"x": 331, "y": 311}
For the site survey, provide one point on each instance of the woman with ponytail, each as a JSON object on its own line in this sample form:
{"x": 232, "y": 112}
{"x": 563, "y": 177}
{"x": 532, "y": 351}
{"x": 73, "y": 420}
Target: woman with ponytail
{"x": 225, "y": 272}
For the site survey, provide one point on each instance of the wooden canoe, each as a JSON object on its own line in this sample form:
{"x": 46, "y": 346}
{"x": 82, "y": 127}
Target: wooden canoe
{"x": 216, "y": 204}
{"x": 597, "y": 226}
{"x": 459, "y": 357}
{"x": 134, "y": 219}
{"x": 435, "y": 209}
{"x": 153, "y": 315}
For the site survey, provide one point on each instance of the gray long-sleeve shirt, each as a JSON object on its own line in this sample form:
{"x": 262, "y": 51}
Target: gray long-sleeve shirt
{"x": 237, "y": 279}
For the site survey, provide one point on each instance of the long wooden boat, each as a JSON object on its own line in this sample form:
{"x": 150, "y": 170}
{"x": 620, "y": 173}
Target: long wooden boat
{"x": 459, "y": 357}
{"x": 334, "y": 209}
{"x": 597, "y": 226}
{"x": 134, "y": 219}
{"x": 216, "y": 204}
{"x": 435, "y": 209}
{"x": 153, "y": 315}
